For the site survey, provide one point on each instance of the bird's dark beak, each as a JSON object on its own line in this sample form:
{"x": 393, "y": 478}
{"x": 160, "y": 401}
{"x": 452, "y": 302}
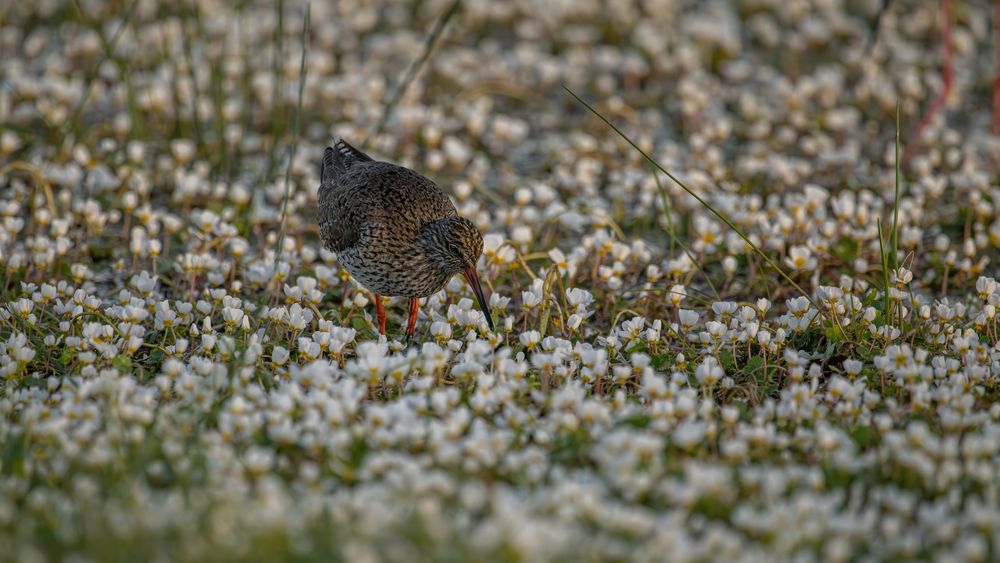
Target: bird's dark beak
{"x": 473, "y": 278}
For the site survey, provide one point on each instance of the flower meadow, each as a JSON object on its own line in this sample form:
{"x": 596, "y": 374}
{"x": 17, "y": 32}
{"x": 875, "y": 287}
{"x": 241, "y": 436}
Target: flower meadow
{"x": 774, "y": 339}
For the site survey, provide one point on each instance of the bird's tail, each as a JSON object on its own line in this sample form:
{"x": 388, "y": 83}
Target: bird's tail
{"x": 339, "y": 159}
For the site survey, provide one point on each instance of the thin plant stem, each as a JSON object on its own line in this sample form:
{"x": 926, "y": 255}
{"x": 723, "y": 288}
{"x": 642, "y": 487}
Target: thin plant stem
{"x": 666, "y": 210}
{"x": 700, "y": 200}
{"x": 411, "y": 72}
{"x": 996, "y": 73}
{"x": 277, "y": 125}
{"x": 885, "y": 269}
{"x": 675, "y": 240}
{"x": 295, "y": 137}
{"x": 948, "y": 77}
{"x": 108, "y": 53}
{"x": 895, "y": 202}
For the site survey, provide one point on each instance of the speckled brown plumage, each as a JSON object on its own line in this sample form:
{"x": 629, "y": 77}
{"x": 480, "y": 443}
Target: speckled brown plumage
{"x": 394, "y": 230}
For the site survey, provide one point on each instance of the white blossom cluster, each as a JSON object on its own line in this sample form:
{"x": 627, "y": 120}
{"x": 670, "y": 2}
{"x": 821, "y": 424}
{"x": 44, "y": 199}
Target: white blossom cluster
{"x": 186, "y": 374}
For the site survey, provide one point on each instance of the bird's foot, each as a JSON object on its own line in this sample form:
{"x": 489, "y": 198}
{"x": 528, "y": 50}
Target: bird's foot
{"x": 412, "y": 324}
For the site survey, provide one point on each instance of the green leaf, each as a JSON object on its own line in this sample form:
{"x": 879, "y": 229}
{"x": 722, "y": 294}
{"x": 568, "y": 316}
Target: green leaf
{"x": 727, "y": 361}
{"x": 659, "y": 361}
{"x": 12, "y": 460}
{"x": 846, "y": 249}
{"x": 98, "y": 253}
{"x": 763, "y": 377}
{"x": 639, "y": 420}
{"x": 123, "y": 363}
{"x": 864, "y": 436}
{"x": 832, "y": 334}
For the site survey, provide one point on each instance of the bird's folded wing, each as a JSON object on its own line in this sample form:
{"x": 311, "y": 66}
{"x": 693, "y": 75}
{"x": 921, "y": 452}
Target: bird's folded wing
{"x": 339, "y": 224}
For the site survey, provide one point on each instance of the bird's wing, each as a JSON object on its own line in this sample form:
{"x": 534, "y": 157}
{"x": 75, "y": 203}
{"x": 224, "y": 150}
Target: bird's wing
{"x": 405, "y": 196}
{"x": 341, "y": 198}
{"x": 359, "y": 195}
{"x": 340, "y": 220}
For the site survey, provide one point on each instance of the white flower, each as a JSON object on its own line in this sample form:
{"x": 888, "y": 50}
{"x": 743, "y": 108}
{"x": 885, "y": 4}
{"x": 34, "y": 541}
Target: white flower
{"x": 574, "y": 322}
{"x": 279, "y": 355}
{"x": 182, "y": 149}
{"x": 232, "y": 317}
{"x": 763, "y": 305}
{"x": 441, "y": 331}
{"x": 709, "y": 372}
{"x": 985, "y": 287}
{"x": 800, "y": 258}
{"x": 902, "y": 277}
{"x": 530, "y": 339}
{"x": 677, "y": 294}
{"x": 371, "y": 361}
{"x": 688, "y": 318}
{"x": 521, "y": 234}
{"x": 533, "y": 297}
{"x": 764, "y": 337}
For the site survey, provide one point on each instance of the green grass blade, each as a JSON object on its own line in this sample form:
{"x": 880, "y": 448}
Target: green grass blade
{"x": 885, "y": 271}
{"x": 673, "y": 236}
{"x": 700, "y": 200}
{"x": 296, "y": 124}
{"x": 109, "y": 49}
{"x": 895, "y": 202}
{"x": 277, "y": 74}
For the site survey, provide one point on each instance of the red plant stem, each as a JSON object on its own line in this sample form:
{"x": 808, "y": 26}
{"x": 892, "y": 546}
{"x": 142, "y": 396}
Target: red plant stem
{"x": 996, "y": 75}
{"x": 949, "y": 79}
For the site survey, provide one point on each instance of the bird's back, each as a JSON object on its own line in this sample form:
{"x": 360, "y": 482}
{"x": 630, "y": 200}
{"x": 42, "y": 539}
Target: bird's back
{"x": 370, "y": 214}
{"x": 397, "y": 197}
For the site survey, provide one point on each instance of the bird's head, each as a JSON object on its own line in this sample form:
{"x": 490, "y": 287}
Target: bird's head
{"x": 453, "y": 245}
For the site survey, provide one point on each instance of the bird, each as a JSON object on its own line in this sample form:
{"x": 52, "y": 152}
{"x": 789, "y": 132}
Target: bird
{"x": 394, "y": 230}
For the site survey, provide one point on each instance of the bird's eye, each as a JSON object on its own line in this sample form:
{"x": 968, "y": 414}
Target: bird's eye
{"x": 454, "y": 250}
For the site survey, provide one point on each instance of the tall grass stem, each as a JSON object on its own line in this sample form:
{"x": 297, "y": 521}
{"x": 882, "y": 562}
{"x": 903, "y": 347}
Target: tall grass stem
{"x": 293, "y": 147}
{"x": 702, "y": 201}
{"x": 411, "y": 72}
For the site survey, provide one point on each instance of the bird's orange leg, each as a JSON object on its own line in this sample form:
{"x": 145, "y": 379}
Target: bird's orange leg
{"x": 380, "y": 311}
{"x": 414, "y": 308}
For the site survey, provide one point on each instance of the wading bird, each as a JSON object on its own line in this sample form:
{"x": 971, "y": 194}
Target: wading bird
{"x": 394, "y": 230}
